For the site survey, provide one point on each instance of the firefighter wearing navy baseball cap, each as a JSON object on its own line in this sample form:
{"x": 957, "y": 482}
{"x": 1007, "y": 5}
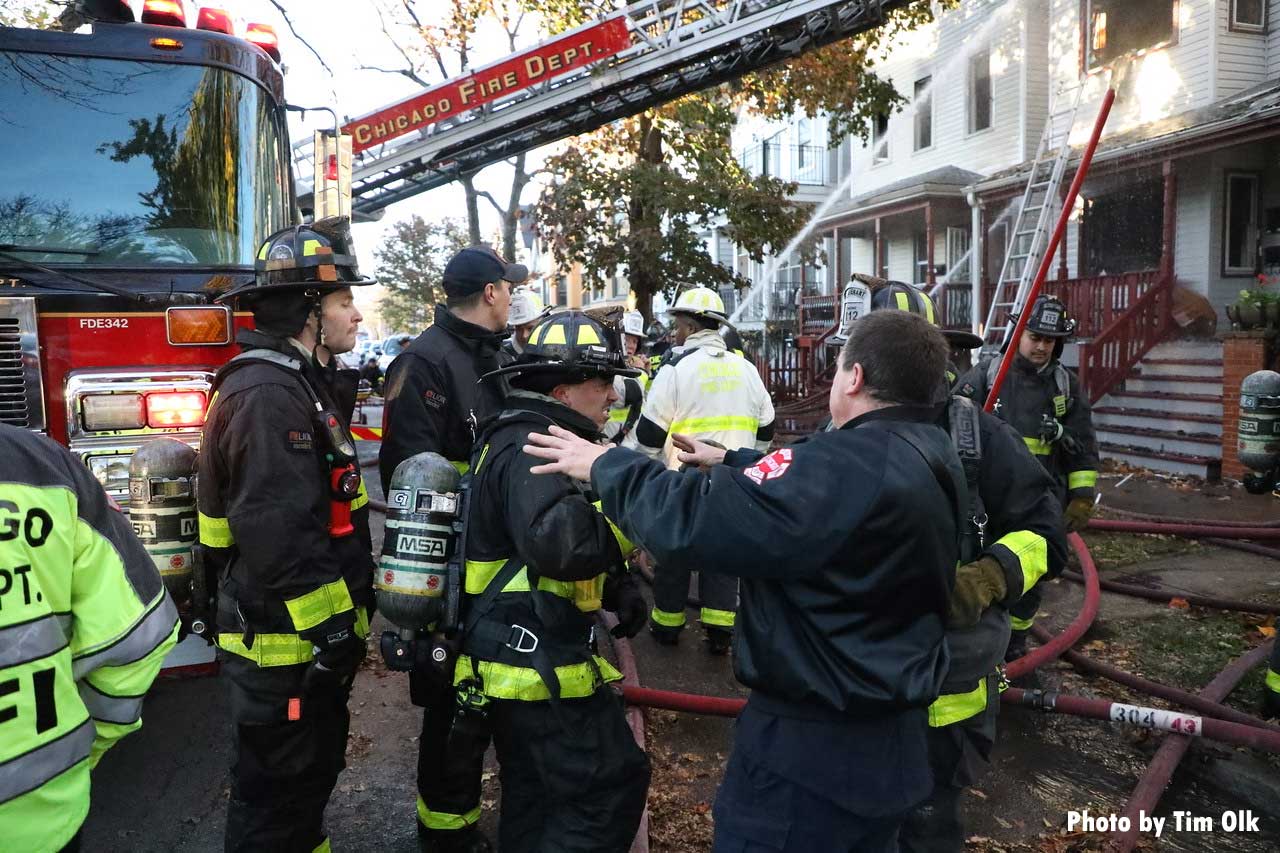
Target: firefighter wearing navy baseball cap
{"x": 433, "y": 401}
{"x": 292, "y": 610}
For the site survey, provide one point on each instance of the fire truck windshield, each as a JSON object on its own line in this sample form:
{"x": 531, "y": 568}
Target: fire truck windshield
{"x": 110, "y": 162}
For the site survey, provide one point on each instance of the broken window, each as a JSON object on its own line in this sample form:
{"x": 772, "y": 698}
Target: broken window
{"x": 980, "y": 91}
{"x": 1118, "y": 27}
{"x": 1136, "y": 211}
{"x": 1240, "y": 224}
{"x": 924, "y": 113}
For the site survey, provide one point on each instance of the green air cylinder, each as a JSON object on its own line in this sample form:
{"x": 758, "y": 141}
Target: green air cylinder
{"x": 422, "y": 505}
{"x": 162, "y": 510}
{"x": 1259, "y": 425}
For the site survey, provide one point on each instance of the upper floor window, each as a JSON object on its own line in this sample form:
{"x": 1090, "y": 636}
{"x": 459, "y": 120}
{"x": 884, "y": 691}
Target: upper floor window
{"x": 880, "y": 138}
{"x": 1249, "y": 15}
{"x": 1118, "y": 27}
{"x": 980, "y": 91}
{"x": 924, "y": 113}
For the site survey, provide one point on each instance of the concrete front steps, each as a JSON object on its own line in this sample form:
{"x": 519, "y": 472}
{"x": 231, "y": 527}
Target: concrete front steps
{"x": 1167, "y": 415}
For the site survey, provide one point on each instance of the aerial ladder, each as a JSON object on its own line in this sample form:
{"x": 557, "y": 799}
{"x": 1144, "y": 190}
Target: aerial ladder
{"x": 669, "y": 48}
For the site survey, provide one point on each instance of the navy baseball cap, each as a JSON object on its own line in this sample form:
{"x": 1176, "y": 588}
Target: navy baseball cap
{"x": 475, "y": 266}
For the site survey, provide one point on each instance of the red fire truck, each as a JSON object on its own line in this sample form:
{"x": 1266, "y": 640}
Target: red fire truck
{"x": 144, "y": 162}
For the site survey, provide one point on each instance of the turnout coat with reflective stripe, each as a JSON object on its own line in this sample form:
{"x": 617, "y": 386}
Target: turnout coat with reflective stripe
{"x": 709, "y": 393}
{"x": 551, "y": 526}
{"x": 84, "y": 625}
{"x": 264, "y": 501}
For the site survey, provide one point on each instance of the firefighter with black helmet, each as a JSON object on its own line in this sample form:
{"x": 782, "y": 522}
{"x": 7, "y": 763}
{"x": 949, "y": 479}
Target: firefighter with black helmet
{"x": 540, "y": 558}
{"x": 284, "y": 523}
{"x": 1043, "y": 401}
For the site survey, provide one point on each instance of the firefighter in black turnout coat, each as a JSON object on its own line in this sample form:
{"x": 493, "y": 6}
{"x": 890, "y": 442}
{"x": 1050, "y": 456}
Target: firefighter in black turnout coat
{"x": 846, "y": 544}
{"x": 540, "y": 559}
{"x": 283, "y": 523}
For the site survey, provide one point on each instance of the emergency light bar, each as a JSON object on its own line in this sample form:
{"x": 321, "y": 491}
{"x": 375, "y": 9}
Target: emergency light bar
{"x": 214, "y": 20}
{"x": 173, "y": 13}
{"x": 164, "y": 13}
{"x": 264, "y": 36}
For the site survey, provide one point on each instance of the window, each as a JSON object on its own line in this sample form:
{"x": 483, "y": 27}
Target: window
{"x": 1135, "y": 210}
{"x": 1249, "y": 15}
{"x": 980, "y": 91}
{"x": 1118, "y": 27}
{"x": 1240, "y": 224}
{"x": 924, "y": 113}
{"x": 920, "y": 250}
{"x": 880, "y": 138}
{"x": 958, "y": 254}
{"x": 562, "y": 290}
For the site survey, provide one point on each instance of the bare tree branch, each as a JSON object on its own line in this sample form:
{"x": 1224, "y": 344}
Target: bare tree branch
{"x": 288, "y": 22}
{"x": 410, "y": 70}
{"x": 484, "y": 194}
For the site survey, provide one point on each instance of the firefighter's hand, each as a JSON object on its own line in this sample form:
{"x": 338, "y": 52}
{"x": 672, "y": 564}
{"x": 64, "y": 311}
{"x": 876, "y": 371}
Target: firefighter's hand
{"x": 622, "y": 596}
{"x": 1077, "y": 514}
{"x": 701, "y": 454}
{"x": 337, "y": 652}
{"x": 567, "y": 453}
{"x": 978, "y": 584}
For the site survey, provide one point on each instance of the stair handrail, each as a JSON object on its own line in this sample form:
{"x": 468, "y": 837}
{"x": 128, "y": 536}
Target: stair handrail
{"x": 1106, "y": 360}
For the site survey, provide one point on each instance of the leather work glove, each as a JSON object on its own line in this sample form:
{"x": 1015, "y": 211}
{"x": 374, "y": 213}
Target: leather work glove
{"x": 978, "y": 584}
{"x": 622, "y": 596}
{"x": 1077, "y": 514}
{"x": 337, "y": 653}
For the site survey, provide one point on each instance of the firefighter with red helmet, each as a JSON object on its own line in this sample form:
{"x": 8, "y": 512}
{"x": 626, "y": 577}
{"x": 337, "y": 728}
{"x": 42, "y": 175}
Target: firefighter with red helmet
{"x": 540, "y": 559}
{"x": 1042, "y": 400}
{"x": 284, "y": 523}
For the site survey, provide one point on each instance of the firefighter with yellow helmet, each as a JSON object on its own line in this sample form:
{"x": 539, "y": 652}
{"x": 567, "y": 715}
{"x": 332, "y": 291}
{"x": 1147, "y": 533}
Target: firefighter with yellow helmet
{"x": 708, "y": 393}
{"x": 283, "y": 520}
{"x": 540, "y": 559}
{"x": 84, "y": 626}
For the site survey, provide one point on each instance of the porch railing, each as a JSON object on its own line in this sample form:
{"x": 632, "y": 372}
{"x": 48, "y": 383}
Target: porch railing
{"x": 1113, "y": 352}
{"x": 1097, "y": 302}
{"x": 818, "y": 314}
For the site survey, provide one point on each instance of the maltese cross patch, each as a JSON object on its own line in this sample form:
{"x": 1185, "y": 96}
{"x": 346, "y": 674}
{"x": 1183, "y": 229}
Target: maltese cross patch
{"x": 771, "y": 467}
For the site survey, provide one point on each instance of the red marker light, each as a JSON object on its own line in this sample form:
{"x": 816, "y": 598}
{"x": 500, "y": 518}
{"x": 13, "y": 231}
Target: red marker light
{"x": 164, "y": 13}
{"x": 214, "y": 20}
{"x": 331, "y": 173}
{"x": 264, "y": 36}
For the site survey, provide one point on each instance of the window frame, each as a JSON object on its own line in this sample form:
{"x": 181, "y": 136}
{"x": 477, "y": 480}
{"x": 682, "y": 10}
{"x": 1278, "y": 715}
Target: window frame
{"x": 1086, "y": 31}
{"x": 1254, "y": 178}
{"x": 1236, "y": 26}
{"x": 917, "y": 114}
{"x": 971, "y": 111}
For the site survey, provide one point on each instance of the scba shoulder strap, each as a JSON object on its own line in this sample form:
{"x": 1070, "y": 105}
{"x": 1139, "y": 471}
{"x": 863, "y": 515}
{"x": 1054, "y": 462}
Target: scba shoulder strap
{"x": 964, "y": 421}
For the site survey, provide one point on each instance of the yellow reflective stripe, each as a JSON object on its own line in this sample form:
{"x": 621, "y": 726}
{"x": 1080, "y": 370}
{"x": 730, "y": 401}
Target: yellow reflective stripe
{"x": 1032, "y": 553}
{"x": 323, "y": 847}
{"x": 1018, "y": 624}
{"x": 1082, "y": 479}
{"x": 1273, "y": 680}
{"x": 361, "y": 498}
{"x": 625, "y": 545}
{"x": 504, "y": 681}
{"x": 445, "y": 820}
{"x": 955, "y": 707}
{"x": 484, "y": 452}
{"x": 215, "y": 532}
{"x": 617, "y": 416}
{"x": 726, "y": 422}
{"x": 310, "y": 247}
{"x": 309, "y": 610}
{"x": 1037, "y": 446}
{"x": 718, "y": 618}
{"x": 667, "y": 618}
{"x": 928, "y": 309}
{"x": 281, "y": 649}
{"x": 645, "y": 381}
{"x": 480, "y": 573}
{"x": 587, "y": 335}
{"x": 554, "y": 334}
{"x": 903, "y": 301}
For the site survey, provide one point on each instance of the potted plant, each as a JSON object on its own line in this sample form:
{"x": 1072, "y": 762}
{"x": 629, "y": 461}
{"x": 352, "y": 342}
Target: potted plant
{"x": 1256, "y": 308}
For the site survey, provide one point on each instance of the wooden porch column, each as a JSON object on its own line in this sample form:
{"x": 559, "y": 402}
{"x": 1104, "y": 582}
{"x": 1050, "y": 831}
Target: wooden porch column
{"x": 1169, "y": 226}
{"x": 928, "y": 243}
{"x": 877, "y": 251}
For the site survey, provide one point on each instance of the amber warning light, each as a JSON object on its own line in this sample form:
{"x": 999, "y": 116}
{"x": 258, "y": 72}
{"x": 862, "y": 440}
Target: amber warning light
{"x": 198, "y": 325}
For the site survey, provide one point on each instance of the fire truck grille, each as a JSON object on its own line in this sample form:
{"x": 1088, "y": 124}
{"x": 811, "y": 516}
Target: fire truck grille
{"x": 13, "y": 394}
